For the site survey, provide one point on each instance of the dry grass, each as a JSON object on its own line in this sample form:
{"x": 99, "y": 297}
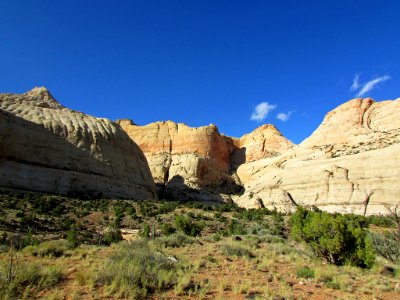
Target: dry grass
{"x": 254, "y": 265}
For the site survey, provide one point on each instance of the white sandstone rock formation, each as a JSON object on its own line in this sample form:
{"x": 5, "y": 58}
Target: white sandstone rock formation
{"x": 349, "y": 164}
{"x": 46, "y": 147}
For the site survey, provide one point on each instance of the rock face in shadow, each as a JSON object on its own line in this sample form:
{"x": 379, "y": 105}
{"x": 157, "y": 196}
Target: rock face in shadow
{"x": 351, "y": 163}
{"x": 46, "y": 147}
{"x": 201, "y": 158}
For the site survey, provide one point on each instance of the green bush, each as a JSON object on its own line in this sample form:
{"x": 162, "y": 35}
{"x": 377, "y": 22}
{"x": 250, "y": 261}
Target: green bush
{"x": 112, "y": 235}
{"x": 339, "y": 239}
{"x": 145, "y": 232}
{"x": 72, "y": 236}
{"x": 234, "y": 228}
{"x": 167, "y": 229}
{"x": 167, "y": 207}
{"x": 188, "y": 226}
{"x": 28, "y": 221}
{"x": 20, "y": 214}
{"x": 47, "y": 205}
{"x": 382, "y": 221}
{"x": 29, "y": 239}
{"x": 305, "y": 272}
{"x": 252, "y": 214}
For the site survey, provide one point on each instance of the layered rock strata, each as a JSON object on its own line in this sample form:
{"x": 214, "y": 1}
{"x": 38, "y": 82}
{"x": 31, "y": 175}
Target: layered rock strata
{"x": 46, "y": 147}
{"x": 199, "y": 163}
{"x": 351, "y": 163}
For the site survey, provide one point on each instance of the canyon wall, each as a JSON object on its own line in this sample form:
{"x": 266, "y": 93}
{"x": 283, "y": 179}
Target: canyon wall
{"x": 199, "y": 163}
{"x": 351, "y": 163}
{"x": 46, "y": 147}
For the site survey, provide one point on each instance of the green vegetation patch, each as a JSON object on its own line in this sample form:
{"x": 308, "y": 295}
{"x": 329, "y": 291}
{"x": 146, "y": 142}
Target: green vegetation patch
{"x": 339, "y": 239}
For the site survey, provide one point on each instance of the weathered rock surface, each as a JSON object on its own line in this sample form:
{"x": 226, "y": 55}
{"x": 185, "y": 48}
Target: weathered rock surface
{"x": 48, "y": 148}
{"x": 183, "y": 159}
{"x": 265, "y": 141}
{"x": 200, "y": 163}
{"x": 350, "y": 162}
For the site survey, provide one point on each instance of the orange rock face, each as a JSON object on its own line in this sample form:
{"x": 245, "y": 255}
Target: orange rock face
{"x": 201, "y": 157}
{"x": 265, "y": 141}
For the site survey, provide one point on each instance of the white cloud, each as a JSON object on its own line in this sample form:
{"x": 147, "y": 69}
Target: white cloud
{"x": 371, "y": 84}
{"x": 284, "y": 116}
{"x": 356, "y": 82}
{"x": 261, "y": 111}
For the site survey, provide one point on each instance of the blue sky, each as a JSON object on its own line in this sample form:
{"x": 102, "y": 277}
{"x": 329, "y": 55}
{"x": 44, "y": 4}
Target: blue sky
{"x": 237, "y": 64}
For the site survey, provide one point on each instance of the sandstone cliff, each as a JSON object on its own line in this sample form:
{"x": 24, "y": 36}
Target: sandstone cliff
{"x": 350, "y": 162}
{"x": 48, "y": 148}
{"x": 200, "y": 163}
{"x": 265, "y": 141}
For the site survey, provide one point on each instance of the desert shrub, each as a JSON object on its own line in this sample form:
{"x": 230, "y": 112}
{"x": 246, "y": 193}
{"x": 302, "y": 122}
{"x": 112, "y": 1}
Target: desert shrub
{"x": 234, "y": 249}
{"x": 227, "y": 207}
{"x": 28, "y": 221}
{"x": 112, "y": 235}
{"x": 252, "y": 214}
{"x": 55, "y": 248}
{"x": 148, "y": 209}
{"x": 234, "y": 228}
{"x": 145, "y": 231}
{"x": 20, "y": 214}
{"x": 216, "y": 237}
{"x": 16, "y": 275}
{"x": 254, "y": 229}
{"x": 167, "y": 207}
{"x": 167, "y": 229}
{"x": 305, "y": 272}
{"x": 174, "y": 241}
{"x": 72, "y": 236}
{"x": 3, "y": 237}
{"x": 382, "y": 221}
{"x": 251, "y": 241}
{"x": 197, "y": 205}
{"x": 188, "y": 226}
{"x": 135, "y": 270}
{"x": 386, "y": 245}
{"x": 131, "y": 211}
{"x": 47, "y": 205}
{"x": 83, "y": 213}
{"x": 270, "y": 238}
{"x": 119, "y": 214}
{"x": 336, "y": 238}
{"x": 29, "y": 239}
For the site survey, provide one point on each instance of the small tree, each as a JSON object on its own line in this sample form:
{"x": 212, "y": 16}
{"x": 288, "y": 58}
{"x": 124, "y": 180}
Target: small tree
{"x": 339, "y": 239}
{"x": 112, "y": 235}
{"x": 72, "y": 236}
{"x": 188, "y": 226}
{"x": 145, "y": 232}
